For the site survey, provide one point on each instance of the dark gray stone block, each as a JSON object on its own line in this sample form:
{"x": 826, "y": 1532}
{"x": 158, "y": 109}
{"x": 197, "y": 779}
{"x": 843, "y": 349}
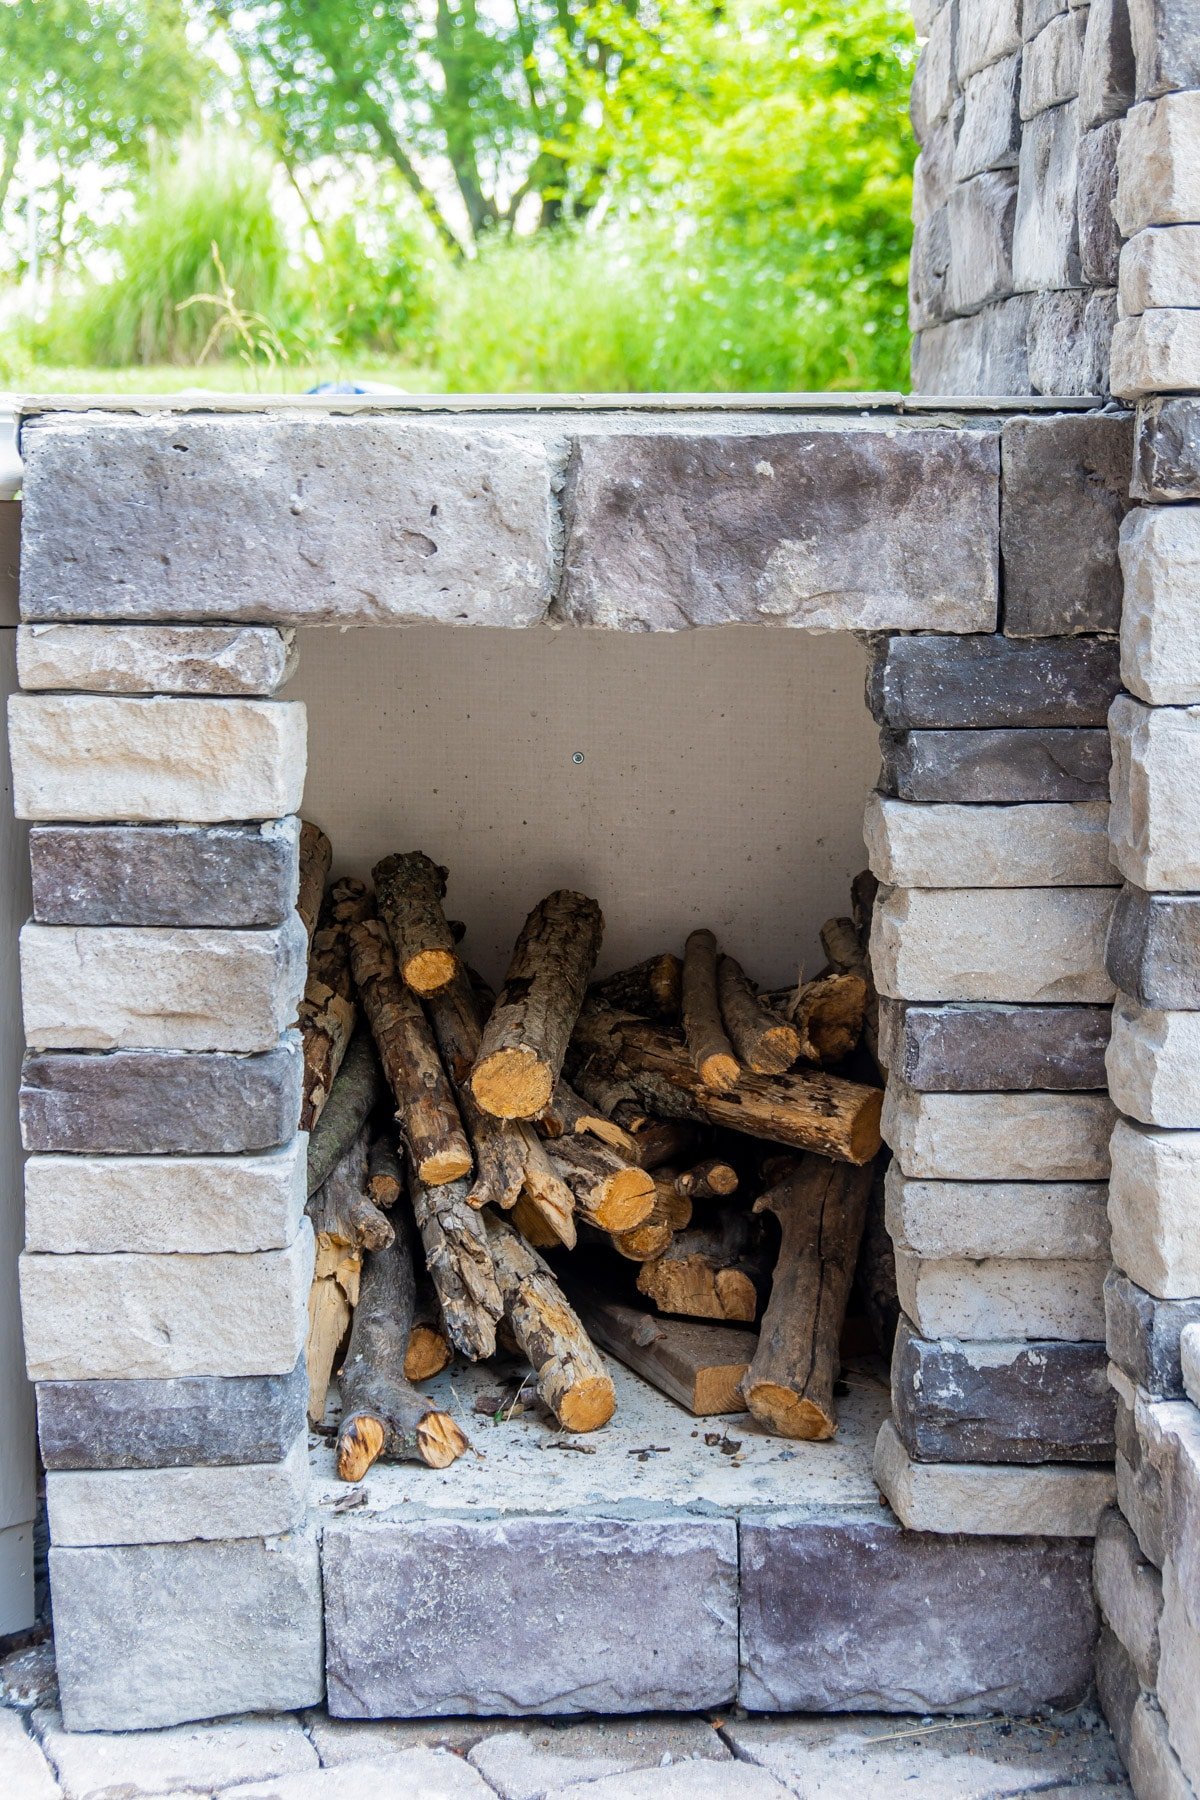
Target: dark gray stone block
{"x": 1117, "y": 1687}
{"x": 191, "y": 875}
{"x": 1099, "y": 239}
{"x": 985, "y": 354}
{"x": 1064, "y": 492}
{"x": 981, "y": 1049}
{"x": 206, "y": 1421}
{"x": 868, "y": 1617}
{"x": 1167, "y": 459}
{"x": 1143, "y": 1335}
{"x": 835, "y": 529}
{"x": 996, "y": 766}
{"x": 1153, "y": 950}
{"x": 927, "y": 681}
{"x": 1001, "y": 1403}
{"x": 530, "y": 1615}
{"x": 143, "y": 1102}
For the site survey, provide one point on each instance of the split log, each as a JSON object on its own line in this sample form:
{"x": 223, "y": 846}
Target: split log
{"x": 699, "y": 1366}
{"x": 344, "y": 1222}
{"x": 316, "y": 856}
{"x": 531, "y": 1224}
{"x": 385, "y": 1172}
{"x": 351, "y": 1101}
{"x": 382, "y": 1414}
{"x": 342, "y": 1209}
{"x": 716, "y": 1271}
{"x": 455, "y": 1015}
{"x": 609, "y": 1192}
{"x": 653, "y": 989}
{"x": 763, "y": 1041}
{"x": 428, "y": 1351}
{"x": 828, "y": 1015}
{"x": 821, "y": 1207}
{"x": 711, "y": 1180}
{"x": 526, "y": 1036}
{"x": 571, "y": 1377}
{"x": 545, "y": 1193}
{"x": 711, "y": 1052}
{"x": 409, "y": 889}
{"x": 806, "y": 1110}
{"x": 569, "y": 1112}
{"x": 426, "y": 1112}
{"x": 460, "y": 1264}
{"x": 328, "y": 1012}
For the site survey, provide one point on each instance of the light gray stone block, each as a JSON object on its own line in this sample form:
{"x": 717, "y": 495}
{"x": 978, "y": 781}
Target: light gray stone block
{"x": 1046, "y": 233}
{"x": 394, "y": 520}
{"x": 934, "y": 87}
{"x": 999, "y": 1137}
{"x": 444, "y": 1617}
{"x": 100, "y": 1765}
{"x": 1023, "y": 1220}
{"x": 1070, "y": 340}
{"x": 234, "y": 1627}
{"x": 740, "y": 1782}
{"x": 1052, "y": 64}
{"x": 98, "y": 1205}
{"x": 95, "y": 1318}
{"x": 1153, "y": 1062}
{"x": 914, "y": 846}
{"x": 985, "y": 354}
{"x": 1065, "y": 491}
{"x": 985, "y": 1048}
{"x": 103, "y": 757}
{"x": 1160, "y": 626}
{"x": 218, "y": 875}
{"x": 1154, "y": 1768}
{"x": 1166, "y": 42}
{"x": 1189, "y": 1357}
{"x": 1018, "y": 944}
{"x": 1172, "y": 1432}
{"x": 933, "y": 173}
{"x": 1117, "y": 1689}
{"x": 1145, "y": 1335}
{"x": 175, "y": 1506}
{"x": 1037, "y": 14}
{"x": 1154, "y": 822}
{"x": 990, "y": 1501}
{"x": 1167, "y": 463}
{"x": 1152, "y": 1208}
{"x": 1129, "y": 1593}
{"x": 1003, "y": 1298}
{"x": 156, "y": 659}
{"x": 1106, "y": 80}
{"x": 928, "y": 266}
{"x": 987, "y": 30}
{"x": 118, "y": 987}
{"x": 1179, "y": 1674}
{"x": 1158, "y": 164}
{"x": 1099, "y": 239}
{"x": 979, "y": 232}
{"x": 1157, "y": 353}
{"x": 990, "y": 134}
{"x": 1160, "y": 267}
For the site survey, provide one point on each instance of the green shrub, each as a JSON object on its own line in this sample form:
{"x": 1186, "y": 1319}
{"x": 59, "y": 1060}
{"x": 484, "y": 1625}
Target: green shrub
{"x": 370, "y": 287}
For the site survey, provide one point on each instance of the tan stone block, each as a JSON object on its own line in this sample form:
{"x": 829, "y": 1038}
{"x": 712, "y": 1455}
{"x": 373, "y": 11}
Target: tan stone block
{"x": 1156, "y": 353}
{"x": 999, "y": 1137}
{"x": 1160, "y": 267}
{"x": 1160, "y": 619}
{"x": 1028, "y": 1220}
{"x": 1003, "y": 1299}
{"x": 1153, "y": 1210}
{"x": 1154, "y": 823}
{"x": 1153, "y": 1063}
{"x": 1018, "y": 944}
{"x": 1158, "y": 164}
{"x": 989, "y": 1500}
{"x": 155, "y": 659}
{"x": 915, "y": 846}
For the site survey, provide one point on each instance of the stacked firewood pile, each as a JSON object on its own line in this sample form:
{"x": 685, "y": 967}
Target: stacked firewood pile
{"x": 539, "y": 1169}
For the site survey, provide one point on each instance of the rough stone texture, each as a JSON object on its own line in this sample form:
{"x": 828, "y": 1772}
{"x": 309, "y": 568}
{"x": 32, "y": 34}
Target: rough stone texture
{"x": 101, "y": 757}
{"x": 156, "y": 659}
{"x": 1154, "y": 1768}
{"x": 96, "y": 1205}
{"x": 924, "y": 681}
{"x": 1014, "y": 1219}
{"x": 1156, "y": 353}
{"x": 1154, "y": 1065}
{"x": 1060, "y": 1500}
{"x": 1065, "y": 492}
{"x": 1160, "y": 626}
{"x": 219, "y": 875}
{"x": 1167, "y": 459}
{"x": 950, "y": 846}
{"x": 1173, "y": 1428}
{"x": 175, "y": 1506}
{"x": 1046, "y": 233}
{"x": 989, "y": 136}
{"x": 1145, "y": 1334}
{"x": 1000, "y": 1402}
{"x": 1166, "y": 42}
{"x": 1153, "y": 950}
{"x": 1129, "y": 1594}
{"x": 994, "y": 1049}
{"x": 1154, "y": 823}
{"x": 1099, "y": 239}
{"x": 839, "y": 1616}
{"x": 1106, "y": 80}
{"x": 979, "y": 229}
{"x": 987, "y": 30}
{"x": 25, "y": 1770}
{"x": 1003, "y": 1297}
{"x": 97, "y": 1318}
{"x": 418, "y": 1774}
{"x": 740, "y": 1782}
{"x": 524, "y": 1764}
{"x": 1158, "y": 168}
{"x": 1117, "y": 1688}
{"x": 1152, "y": 1208}
{"x": 126, "y": 987}
{"x": 933, "y": 176}
{"x": 1161, "y": 267}
{"x": 99, "y": 1766}
{"x": 234, "y": 1627}
{"x": 195, "y": 1419}
{"x": 1179, "y": 1674}
{"x": 928, "y": 267}
{"x": 558, "y": 1625}
{"x": 933, "y": 87}
{"x": 1070, "y": 340}
{"x": 147, "y": 1102}
{"x": 1015, "y": 944}
{"x": 999, "y": 1137}
{"x": 1037, "y": 14}
{"x": 1052, "y": 64}
{"x": 985, "y": 354}
{"x": 385, "y": 520}
{"x": 1189, "y": 1357}
{"x": 826, "y": 530}
{"x": 996, "y": 766}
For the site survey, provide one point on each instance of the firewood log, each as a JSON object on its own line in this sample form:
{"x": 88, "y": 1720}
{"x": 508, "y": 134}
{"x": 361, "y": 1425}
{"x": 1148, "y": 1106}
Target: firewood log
{"x": 328, "y": 1012}
{"x": 609, "y": 1192}
{"x": 846, "y": 943}
{"x": 456, "y": 1017}
{"x": 653, "y": 989}
{"x": 698, "y": 1365}
{"x": 841, "y": 944}
{"x": 344, "y": 1222}
{"x": 426, "y": 1112}
{"x": 658, "y": 1142}
{"x": 526, "y": 1035}
{"x": 385, "y": 1171}
{"x": 342, "y": 1209}
{"x": 544, "y": 1191}
{"x": 716, "y": 1271}
{"x": 382, "y": 1414}
{"x": 820, "y": 1206}
{"x": 428, "y": 1351}
{"x": 599, "y": 1087}
{"x": 807, "y": 1110}
{"x": 531, "y": 1224}
{"x": 828, "y": 1015}
{"x": 351, "y": 1101}
{"x": 408, "y": 890}
{"x": 459, "y": 1262}
{"x": 670, "y": 1213}
{"x": 763, "y": 1041}
{"x": 571, "y": 1377}
{"x": 316, "y": 855}
{"x": 569, "y": 1112}
{"x": 712, "y": 1054}
{"x": 710, "y": 1180}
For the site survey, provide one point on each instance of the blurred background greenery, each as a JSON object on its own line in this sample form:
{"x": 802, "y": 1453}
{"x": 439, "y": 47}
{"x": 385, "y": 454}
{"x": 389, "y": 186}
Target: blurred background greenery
{"x": 454, "y": 195}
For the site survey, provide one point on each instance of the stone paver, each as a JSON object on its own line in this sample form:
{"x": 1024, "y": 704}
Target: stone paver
{"x": 527, "y": 1765}
{"x": 420, "y": 1774}
{"x": 24, "y": 1772}
{"x": 679, "y": 1781}
{"x": 183, "y": 1759}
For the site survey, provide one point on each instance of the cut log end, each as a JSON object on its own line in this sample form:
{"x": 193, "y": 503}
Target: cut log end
{"x": 360, "y": 1442}
{"x": 864, "y": 1139}
{"x": 443, "y": 1166}
{"x": 513, "y": 1084}
{"x": 590, "y": 1404}
{"x": 427, "y": 1354}
{"x": 429, "y": 971}
{"x": 777, "y": 1049}
{"x": 719, "y": 1071}
{"x": 786, "y": 1414}
{"x": 440, "y": 1441}
{"x": 737, "y": 1295}
{"x": 624, "y": 1200}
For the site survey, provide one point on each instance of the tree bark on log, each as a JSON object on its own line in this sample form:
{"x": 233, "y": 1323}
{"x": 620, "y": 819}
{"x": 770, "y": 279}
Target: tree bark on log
{"x": 821, "y": 1207}
{"x": 409, "y": 889}
{"x": 568, "y": 1112}
{"x": 653, "y": 989}
{"x": 500, "y": 1153}
{"x": 571, "y": 1377}
{"x": 460, "y": 1264}
{"x": 699, "y": 1366}
{"x": 608, "y": 1191}
{"x": 428, "y": 1351}
{"x": 351, "y": 1101}
{"x": 765, "y": 1043}
{"x": 525, "y": 1039}
{"x": 316, "y": 856}
{"x": 544, "y": 1192}
{"x": 829, "y": 1014}
{"x": 711, "y": 1052}
{"x": 670, "y": 1213}
{"x": 344, "y": 1222}
{"x": 426, "y": 1112}
{"x": 717, "y": 1271}
{"x": 385, "y": 1172}
{"x": 711, "y": 1180}
{"x": 328, "y": 1012}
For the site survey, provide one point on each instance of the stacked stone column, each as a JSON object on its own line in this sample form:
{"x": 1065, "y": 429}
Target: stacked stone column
{"x": 168, "y": 1258}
